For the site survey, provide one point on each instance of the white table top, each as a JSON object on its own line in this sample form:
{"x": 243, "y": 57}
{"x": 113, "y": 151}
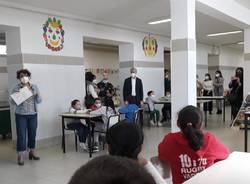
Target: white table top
{"x": 235, "y": 169}
{"x": 80, "y": 115}
{"x": 210, "y": 97}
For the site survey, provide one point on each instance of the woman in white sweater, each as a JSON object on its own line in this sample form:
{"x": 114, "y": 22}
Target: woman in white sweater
{"x": 208, "y": 91}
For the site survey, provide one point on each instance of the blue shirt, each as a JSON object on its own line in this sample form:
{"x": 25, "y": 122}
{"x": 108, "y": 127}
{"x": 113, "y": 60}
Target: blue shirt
{"x": 28, "y": 107}
{"x": 129, "y": 111}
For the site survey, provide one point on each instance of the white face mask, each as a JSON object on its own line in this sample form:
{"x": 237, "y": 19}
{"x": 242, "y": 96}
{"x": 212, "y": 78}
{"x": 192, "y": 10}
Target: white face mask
{"x": 25, "y": 80}
{"x": 153, "y": 96}
{"x": 95, "y": 81}
{"x": 206, "y": 77}
{"x": 133, "y": 75}
{"x": 217, "y": 75}
{"x": 98, "y": 105}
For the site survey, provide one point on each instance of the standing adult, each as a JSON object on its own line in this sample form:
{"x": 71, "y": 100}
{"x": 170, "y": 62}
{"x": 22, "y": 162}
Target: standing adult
{"x": 106, "y": 91}
{"x": 218, "y": 89}
{"x": 199, "y": 86}
{"x": 166, "y": 109}
{"x": 91, "y": 89}
{"x": 236, "y": 93}
{"x": 105, "y": 85}
{"x": 133, "y": 87}
{"x": 208, "y": 91}
{"x": 26, "y": 117}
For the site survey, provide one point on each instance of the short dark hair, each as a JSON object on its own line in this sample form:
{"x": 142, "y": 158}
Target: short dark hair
{"x": 97, "y": 99}
{"x": 149, "y": 93}
{"x": 111, "y": 170}
{"x": 129, "y": 99}
{"x": 89, "y": 76}
{"x": 189, "y": 120}
{"x": 73, "y": 103}
{"x": 125, "y": 139}
{"x": 23, "y": 71}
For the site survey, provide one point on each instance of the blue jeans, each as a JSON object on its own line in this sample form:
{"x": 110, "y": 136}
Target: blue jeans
{"x": 82, "y": 130}
{"x": 26, "y": 125}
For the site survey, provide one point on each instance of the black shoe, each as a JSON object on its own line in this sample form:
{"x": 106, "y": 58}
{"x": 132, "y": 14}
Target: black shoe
{"x": 33, "y": 157}
{"x": 210, "y": 112}
{"x": 219, "y": 112}
{"x": 20, "y": 160}
{"x": 163, "y": 120}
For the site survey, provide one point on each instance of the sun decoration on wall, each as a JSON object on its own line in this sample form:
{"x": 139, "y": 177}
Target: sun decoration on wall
{"x": 150, "y": 46}
{"x": 53, "y": 34}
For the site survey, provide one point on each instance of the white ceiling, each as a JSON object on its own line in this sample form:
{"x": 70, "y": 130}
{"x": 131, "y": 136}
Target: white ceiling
{"x": 136, "y": 14}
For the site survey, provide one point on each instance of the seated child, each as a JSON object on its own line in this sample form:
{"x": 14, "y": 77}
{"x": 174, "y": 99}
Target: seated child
{"x": 190, "y": 151}
{"x": 166, "y": 109}
{"x": 154, "y": 113}
{"x": 129, "y": 110}
{"x": 78, "y": 125}
{"x": 108, "y": 100}
{"x": 126, "y": 139}
{"x": 100, "y": 124}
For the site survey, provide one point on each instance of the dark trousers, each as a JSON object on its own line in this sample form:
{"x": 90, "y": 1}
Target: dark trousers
{"x": 26, "y": 125}
{"x": 82, "y": 130}
{"x": 166, "y": 111}
{"x": 208, "y": 106}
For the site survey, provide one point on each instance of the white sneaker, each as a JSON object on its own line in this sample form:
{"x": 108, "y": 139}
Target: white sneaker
{"x": 152, "y": 123}
{"x": 83, "y": 146}
{"x": 159, "y": 124}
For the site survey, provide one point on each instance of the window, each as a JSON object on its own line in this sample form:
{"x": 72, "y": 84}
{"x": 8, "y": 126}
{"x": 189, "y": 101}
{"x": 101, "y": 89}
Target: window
{"x": 3, "y": 50}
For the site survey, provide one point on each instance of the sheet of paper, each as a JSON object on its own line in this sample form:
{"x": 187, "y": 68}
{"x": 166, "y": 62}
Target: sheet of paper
{"x": 23, "y": 94}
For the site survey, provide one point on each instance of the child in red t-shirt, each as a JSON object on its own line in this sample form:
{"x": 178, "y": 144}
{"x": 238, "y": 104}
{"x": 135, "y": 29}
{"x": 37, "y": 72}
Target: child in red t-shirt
{"x": 190, "y": 151}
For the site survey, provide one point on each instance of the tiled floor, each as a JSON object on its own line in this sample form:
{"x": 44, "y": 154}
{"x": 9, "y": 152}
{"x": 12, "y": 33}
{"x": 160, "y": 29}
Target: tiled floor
{"x": 57, "y": 168}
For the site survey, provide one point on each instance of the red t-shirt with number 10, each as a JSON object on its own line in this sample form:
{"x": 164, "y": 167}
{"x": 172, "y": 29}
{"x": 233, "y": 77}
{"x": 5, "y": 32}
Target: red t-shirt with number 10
{"x": 184, "y": 161}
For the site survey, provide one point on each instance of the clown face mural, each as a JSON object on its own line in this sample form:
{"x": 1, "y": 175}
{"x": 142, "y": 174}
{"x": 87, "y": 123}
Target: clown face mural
{"x": 149, "y": 45}
{"x": 53, "y": 34}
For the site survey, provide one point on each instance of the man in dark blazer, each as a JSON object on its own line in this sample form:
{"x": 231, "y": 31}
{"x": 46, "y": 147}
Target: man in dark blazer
{"x": 133, "y": 87}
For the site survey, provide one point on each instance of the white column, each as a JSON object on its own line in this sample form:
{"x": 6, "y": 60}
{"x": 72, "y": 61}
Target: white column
{"x": 183, "y": 56}
{"x": 247, "y": 61}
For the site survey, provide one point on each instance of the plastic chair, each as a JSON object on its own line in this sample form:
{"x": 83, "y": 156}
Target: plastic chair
{"x": 75, "y": 133}
{"x": 112, "y": 120}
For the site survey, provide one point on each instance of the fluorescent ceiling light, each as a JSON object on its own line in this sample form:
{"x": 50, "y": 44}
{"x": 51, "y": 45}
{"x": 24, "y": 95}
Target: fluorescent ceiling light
{"x": 224, "y": 33}
{"x": 159, "y": 21}
{"x": 240, "y": 43}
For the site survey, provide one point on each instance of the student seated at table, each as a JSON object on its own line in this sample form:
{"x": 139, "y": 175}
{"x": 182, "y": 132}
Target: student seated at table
{"x": 78, "y": 125}
{"x": 129, "y": 110}
{"x": 108, "y": 99}
{"x": 154, "y": 113}
{"x": 100, "y": 123}
{"x": 111, "y": 170}
{"x": 126, "y": 139}
{"x": 166, "y": 109}
{"x": 190, "y": 151}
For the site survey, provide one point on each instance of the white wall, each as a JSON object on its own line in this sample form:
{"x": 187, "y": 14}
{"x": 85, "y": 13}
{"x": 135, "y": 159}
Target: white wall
{"x": 104, "y": 58}
{"x": 65, "y": 82}
{"x": 229, "y": 60}
{"x": 4, "y": 80}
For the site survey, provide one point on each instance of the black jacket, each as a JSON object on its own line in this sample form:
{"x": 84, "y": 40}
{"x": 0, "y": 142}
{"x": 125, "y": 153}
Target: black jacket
{"x": 127, "y": 89}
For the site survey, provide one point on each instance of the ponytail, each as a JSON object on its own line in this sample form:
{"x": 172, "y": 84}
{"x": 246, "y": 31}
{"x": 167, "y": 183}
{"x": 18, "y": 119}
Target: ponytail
{"x": 189, "y": 120}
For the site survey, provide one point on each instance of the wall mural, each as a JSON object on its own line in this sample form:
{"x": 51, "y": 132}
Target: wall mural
{"x": 150, "y": 46}
{"x": 53, "y": 34}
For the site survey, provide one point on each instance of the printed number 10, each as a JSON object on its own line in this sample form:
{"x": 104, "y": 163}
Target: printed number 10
{"x": 185, "y": 161}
